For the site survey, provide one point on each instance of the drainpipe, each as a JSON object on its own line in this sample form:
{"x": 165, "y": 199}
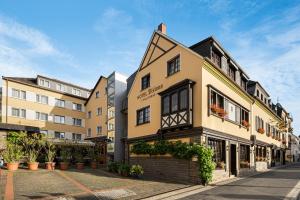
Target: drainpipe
{"x": 6, "y": 106}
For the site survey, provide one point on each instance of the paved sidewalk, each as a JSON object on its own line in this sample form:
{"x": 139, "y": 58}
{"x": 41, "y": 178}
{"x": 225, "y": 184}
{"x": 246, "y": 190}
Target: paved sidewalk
{"x": 282, "y": 183}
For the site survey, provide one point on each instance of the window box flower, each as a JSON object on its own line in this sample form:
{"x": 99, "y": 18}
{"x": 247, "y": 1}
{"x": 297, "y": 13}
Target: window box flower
{"x": 222, "y": 112}
{"x": 245, "y": 123}
{"x": 214, "y": 108}
{"x": 261, "y": 130}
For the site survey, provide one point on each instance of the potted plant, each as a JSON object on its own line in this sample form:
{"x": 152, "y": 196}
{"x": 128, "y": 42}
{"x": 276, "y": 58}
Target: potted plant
{"x": 79, "y": 160}
{"x": 136, "y": 171}
{"x": 222, "y": 112}
{"x": 12, "y": 155}
{"x": 50, "y": 155}
{"x": 93, "y": 157}
{"x": 124, "y": 169}
{"x": 65, "y": 157}
{"x": 221, "y": 165}
{"x": 245, "y": 123}
{"x": 261, "y": 130}
{"x": 32, "y": 144}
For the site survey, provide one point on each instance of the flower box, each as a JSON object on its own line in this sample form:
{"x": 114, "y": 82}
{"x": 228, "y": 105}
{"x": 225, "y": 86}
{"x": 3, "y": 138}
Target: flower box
{"x": 217, "y": 110}
{"x": 261, "y": 130}
{"x": 245, "y": 123}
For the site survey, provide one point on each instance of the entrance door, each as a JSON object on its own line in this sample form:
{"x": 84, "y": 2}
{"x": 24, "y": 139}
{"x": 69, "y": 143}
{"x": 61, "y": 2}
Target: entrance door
{"x": 233, "y": 159}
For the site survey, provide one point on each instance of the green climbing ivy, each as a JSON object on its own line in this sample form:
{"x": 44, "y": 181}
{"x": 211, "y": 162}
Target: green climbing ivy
{"x": 180, "y": 150}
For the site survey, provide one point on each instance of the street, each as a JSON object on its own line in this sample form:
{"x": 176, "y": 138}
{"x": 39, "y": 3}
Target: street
{"x": 276, "y": 184}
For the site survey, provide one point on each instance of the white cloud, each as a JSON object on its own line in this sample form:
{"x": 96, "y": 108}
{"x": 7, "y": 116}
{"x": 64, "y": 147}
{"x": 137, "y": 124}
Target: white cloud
{"x": 270, "y": 54}
{"x": 26, "y": 51}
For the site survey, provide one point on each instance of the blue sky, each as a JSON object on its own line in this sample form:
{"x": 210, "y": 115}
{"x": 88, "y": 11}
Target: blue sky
{"x": 78, "y": 41}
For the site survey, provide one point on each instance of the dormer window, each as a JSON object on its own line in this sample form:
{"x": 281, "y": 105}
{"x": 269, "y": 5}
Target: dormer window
{"x": 174, "y": 65}
{"x": 243, "y": 84}
{"x": 60, "y": 87}
{"x": 216, "y": 58}
{"x": 231, "y": 72}
{"x": 257, "y": 93}
{"x": 44, "y": 83}
{"x": 76, "y": 91}
{"x": 262, "y": 97}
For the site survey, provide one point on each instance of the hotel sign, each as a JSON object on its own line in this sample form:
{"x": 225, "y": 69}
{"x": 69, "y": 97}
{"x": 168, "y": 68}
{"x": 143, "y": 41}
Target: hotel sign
{"x": 151, "y": 92}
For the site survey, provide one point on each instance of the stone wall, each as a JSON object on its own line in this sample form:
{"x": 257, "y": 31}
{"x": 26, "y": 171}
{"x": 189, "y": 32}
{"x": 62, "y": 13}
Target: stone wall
{"x": 168, "y": 168}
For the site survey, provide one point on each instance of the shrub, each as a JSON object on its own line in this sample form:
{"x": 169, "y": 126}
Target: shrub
{"x": 136, "y": 170}
{"x": 113, "y": 167}
{"x": 78, "y": 156}
{"x": 65, "y": 155}
{"x": 12, "y": 153}
{"x": 32, "y": 144}
{"x": 124, "y": 169}
{"x": 50, "y": 151}
{"x": 181, "y": 150}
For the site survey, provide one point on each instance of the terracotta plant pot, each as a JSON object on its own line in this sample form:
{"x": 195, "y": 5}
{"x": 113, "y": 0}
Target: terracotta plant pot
{"x": 94, "y": 165}
{"x": 12, "y": 166}
{"x": 33, "y": 166}
{"x": 50, "y": 165}
{"x": 64, "y": 165}
{"x": 79, "y": 166}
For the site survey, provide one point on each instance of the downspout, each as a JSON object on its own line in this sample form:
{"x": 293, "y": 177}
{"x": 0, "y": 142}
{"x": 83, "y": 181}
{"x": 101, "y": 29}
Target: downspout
{"x": 6, "y": 117}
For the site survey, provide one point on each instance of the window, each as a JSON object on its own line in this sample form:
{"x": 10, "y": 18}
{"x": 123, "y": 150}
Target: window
{"x": 111, "y": 126}
{"x": 59, "y": 119}
{"x": 183, "y": 99}
{"x": 143, "y": 115}
{"x": 111, "y": 113}
{"x": 99, "y": 130}
{"x": 44, "y": 132}
{"x": 173, "y": 66}
{"x": 245, "y": 116}
{"x": 262, "y": 97}
{"x": 244, "y": 156}
{"x": 77, "y": 106}
{"x": 59, "y": 135}
{"x": 60, "y": 87}
{"x": 77, "y": 122}
{"x": 41, "y": 116}
{"x": 97, "y": 94}
{"x": 216, "y": 58}
{"x": 257, "y": 93}
{"x": 218, "y": 147}
{"x": 76, "y": 91}
{"x": 166, "y": 105}
{"x": 89, "y": 132}
{"x": 59, "y": 103}
{"x": 174, "y": 102}
{"x": 76, "y": 136}
{"x": 99, "y": 111}
{"x": 44, "y": 83}
{"x": 216, "y": 100}
{"x": 231, "y": 72}
{"x": 41, "y": 99}
{"x": 90, "y": 114}
{"x": 259, "y": 123}
{"x": 146, "y": 81}
{"x": 243, "y": 84}
{"x": 20, "y": 94}
{"x": 15, "y": 112}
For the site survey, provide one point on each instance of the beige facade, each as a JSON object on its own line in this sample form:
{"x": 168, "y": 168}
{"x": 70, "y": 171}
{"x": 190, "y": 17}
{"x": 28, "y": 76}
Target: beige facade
{"x": 55, "y": 107}
{"x": 96, "y": 110}
{"x": 199, "y": 94}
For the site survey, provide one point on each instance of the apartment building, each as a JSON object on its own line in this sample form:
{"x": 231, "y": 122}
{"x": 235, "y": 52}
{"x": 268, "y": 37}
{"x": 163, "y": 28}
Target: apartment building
{"x": 55, "y": 107}
{"x": 200, "y": 94}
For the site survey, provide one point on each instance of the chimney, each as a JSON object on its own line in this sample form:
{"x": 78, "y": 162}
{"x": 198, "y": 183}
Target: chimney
{"x": 162, "y": 28}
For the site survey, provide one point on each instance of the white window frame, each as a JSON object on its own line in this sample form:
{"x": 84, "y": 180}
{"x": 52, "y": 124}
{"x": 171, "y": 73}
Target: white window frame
{"x": 61, "y": 119}
{"x": 60, "y": 103}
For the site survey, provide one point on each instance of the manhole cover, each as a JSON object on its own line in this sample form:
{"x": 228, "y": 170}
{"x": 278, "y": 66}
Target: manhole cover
{"x": 114, "y": 194}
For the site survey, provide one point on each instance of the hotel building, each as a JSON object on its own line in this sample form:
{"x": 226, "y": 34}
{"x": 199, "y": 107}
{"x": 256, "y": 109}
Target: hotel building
{"x": 200, "y": 94}
{"x": 55, "y": 107}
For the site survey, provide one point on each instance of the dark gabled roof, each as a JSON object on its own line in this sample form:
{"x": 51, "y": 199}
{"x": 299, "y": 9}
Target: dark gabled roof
{"x": 92, "y": 91}
{"x": 252, "y": 83}
{"x": 130, "y": 80}
{"x": 33, "y": 82}
{"x": 16, "y": 127}
{"x": 212, "y": 38}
